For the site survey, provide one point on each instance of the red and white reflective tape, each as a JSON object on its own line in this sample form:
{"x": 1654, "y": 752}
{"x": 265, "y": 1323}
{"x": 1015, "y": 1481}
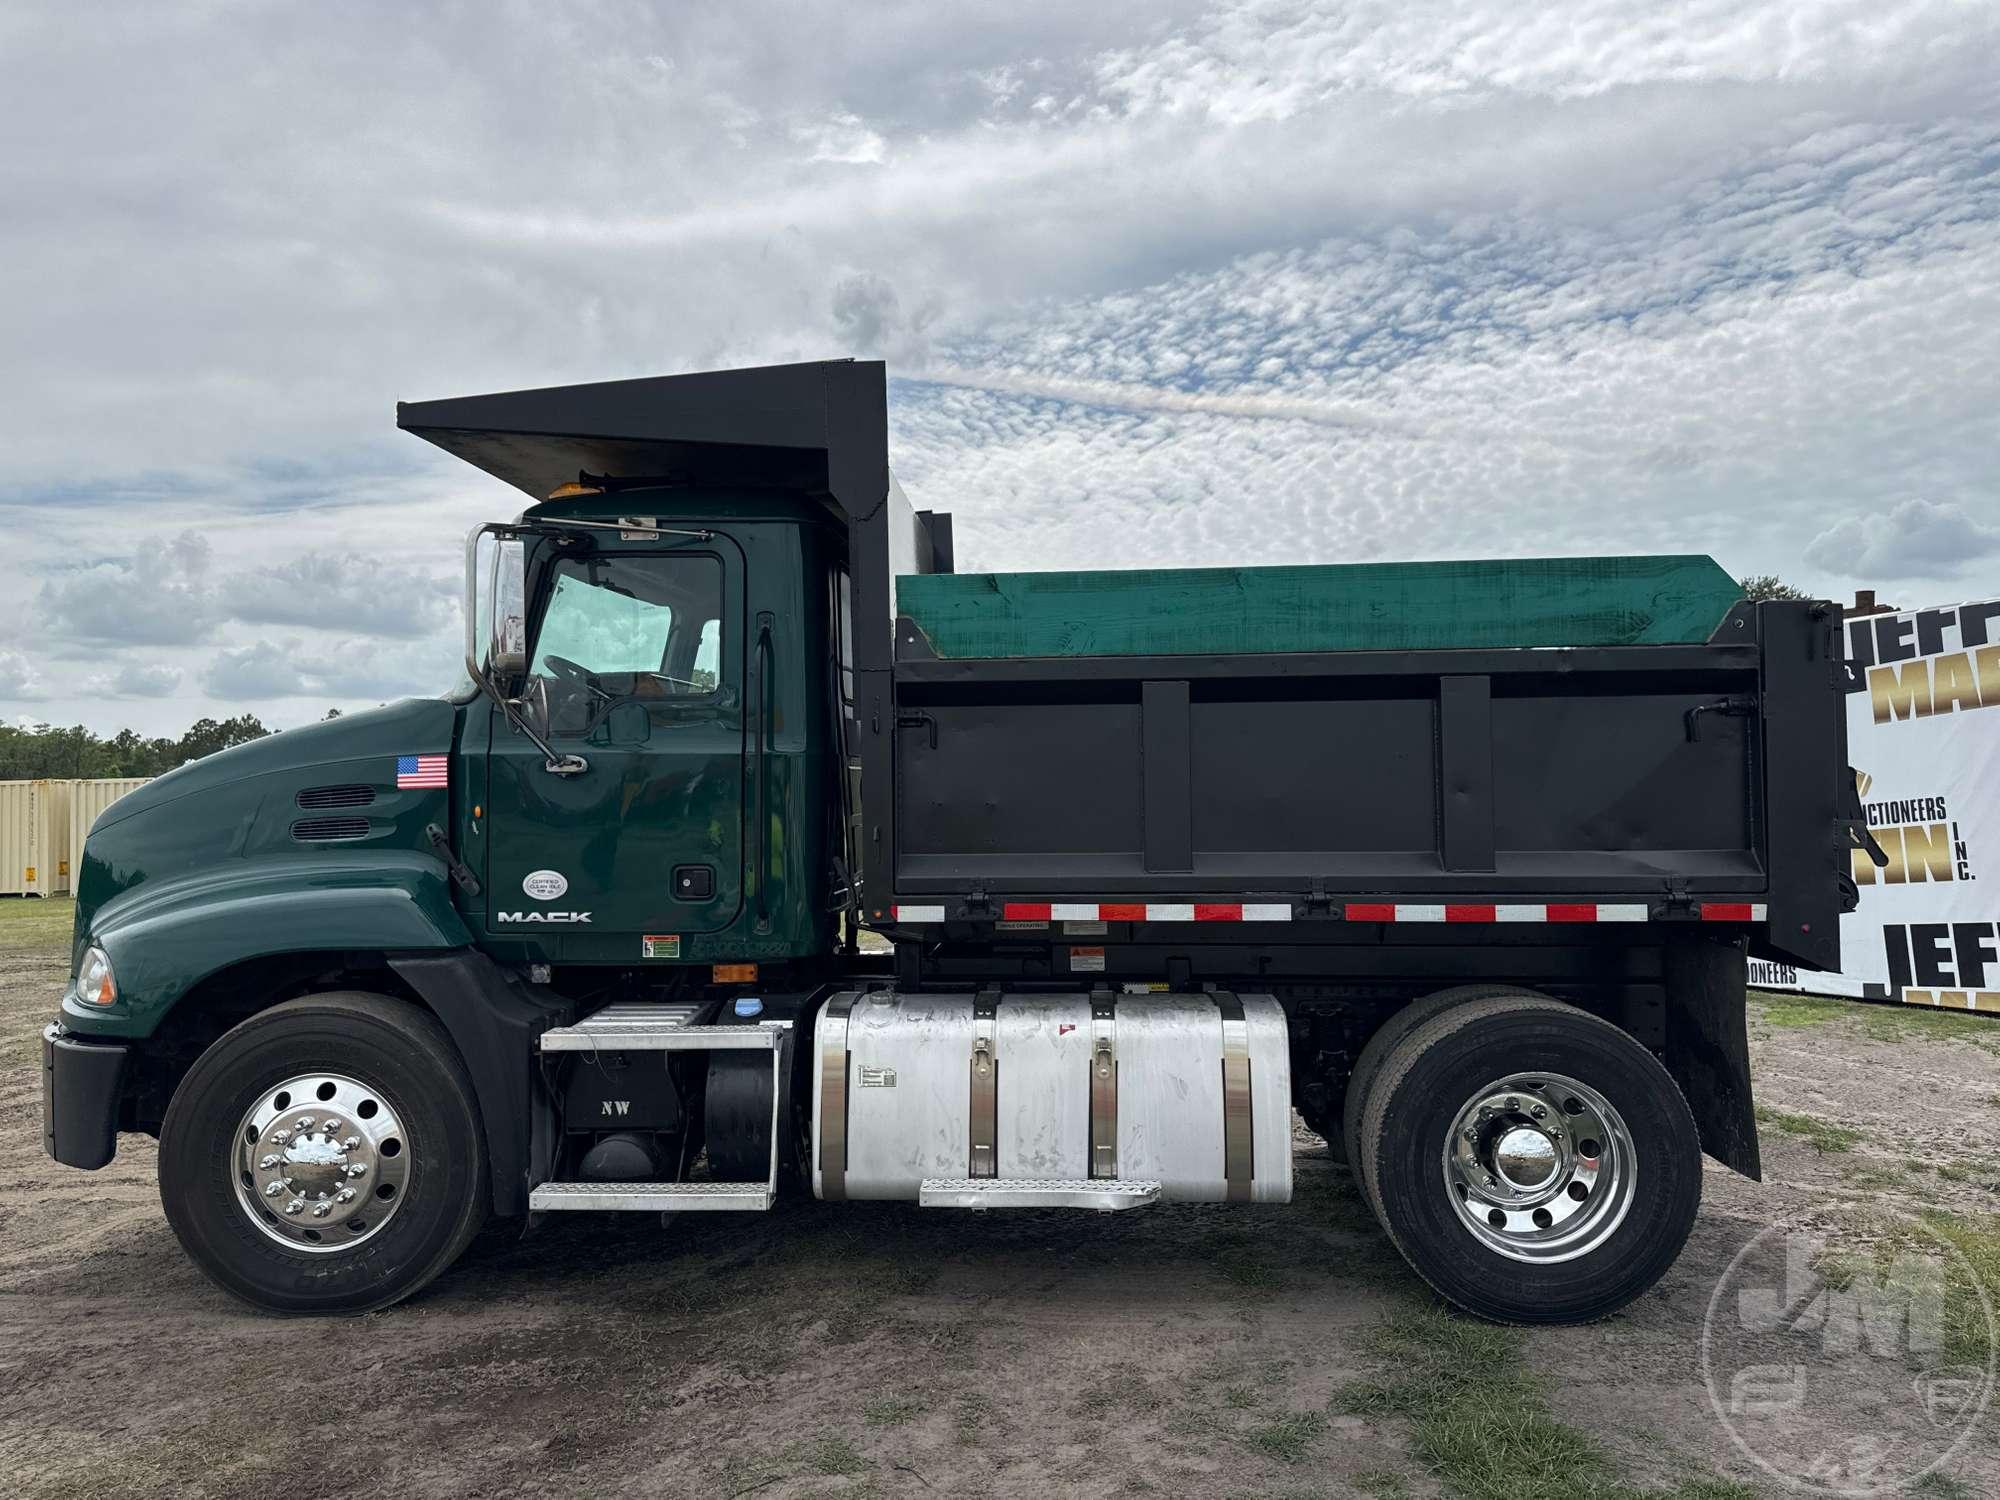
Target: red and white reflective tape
{"x": 1354, "y": 911}
{"x": 1118, "y": 911}
{"x": 1481, "y": 911}
{"x": 1732, "y": 911}
{"x": 1144, "y": 911}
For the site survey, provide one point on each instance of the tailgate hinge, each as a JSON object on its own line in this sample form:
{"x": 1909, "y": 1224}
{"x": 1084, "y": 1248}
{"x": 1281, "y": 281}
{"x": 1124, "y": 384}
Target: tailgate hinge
{"x": 1679, "y": 902}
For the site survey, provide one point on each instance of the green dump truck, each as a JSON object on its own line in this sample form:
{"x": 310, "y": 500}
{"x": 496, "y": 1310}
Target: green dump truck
{"x": 1461, "y": 861}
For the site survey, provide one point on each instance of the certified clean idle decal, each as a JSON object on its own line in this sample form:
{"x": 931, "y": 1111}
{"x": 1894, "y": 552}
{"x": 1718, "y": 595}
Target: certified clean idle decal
{"x": 546, "y": 885}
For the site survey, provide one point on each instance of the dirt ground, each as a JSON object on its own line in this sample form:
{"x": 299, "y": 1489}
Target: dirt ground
{"x": 876, "y": 1349}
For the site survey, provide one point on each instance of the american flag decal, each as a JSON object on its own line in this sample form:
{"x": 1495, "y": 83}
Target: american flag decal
{"x": 420, "y": 772}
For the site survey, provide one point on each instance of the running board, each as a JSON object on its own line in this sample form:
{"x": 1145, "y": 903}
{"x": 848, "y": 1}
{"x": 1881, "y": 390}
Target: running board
{"x": 652, "y": 1197}
{"x": 1105, "y": 1194}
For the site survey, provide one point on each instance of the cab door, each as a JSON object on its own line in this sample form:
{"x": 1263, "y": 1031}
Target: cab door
{"x": 637, "y": 667}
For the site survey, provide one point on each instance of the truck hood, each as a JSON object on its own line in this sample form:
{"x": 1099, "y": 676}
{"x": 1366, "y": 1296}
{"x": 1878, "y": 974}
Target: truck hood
{"x": 414, "y": 726}
{"x": 245, "y": 806}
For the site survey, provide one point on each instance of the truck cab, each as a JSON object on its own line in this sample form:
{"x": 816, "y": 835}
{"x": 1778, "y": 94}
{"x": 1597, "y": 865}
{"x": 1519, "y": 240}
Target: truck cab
{"x": 669, "y": 667}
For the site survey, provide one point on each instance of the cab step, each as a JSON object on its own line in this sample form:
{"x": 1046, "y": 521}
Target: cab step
{"x": 659, "y": 1028}
{"x": 652, "y": 1197}
{"x": 666, "y": 1028}
{"x": 1105, "y": 1194}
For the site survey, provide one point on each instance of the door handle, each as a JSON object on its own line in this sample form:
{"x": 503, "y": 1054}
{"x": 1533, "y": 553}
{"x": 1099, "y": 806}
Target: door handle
{"x": 764, "y": 701}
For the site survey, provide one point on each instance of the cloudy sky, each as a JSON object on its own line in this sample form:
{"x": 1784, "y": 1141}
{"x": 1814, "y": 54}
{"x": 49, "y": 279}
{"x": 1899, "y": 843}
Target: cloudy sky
{"x": 1161, "y": 283}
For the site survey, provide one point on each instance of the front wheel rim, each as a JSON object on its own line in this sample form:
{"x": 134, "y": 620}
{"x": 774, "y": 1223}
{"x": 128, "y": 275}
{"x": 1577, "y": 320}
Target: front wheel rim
{"x": 1539, "y": 1167}
{"x": 321, "y": 1163}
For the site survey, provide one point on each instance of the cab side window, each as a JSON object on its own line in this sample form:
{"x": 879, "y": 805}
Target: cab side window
{"x": 624, "y": 628}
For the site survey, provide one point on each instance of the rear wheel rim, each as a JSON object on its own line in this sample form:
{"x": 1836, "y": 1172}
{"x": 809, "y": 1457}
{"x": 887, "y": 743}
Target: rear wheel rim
{"x": 1539, "y": 1167}
{"x": 321, "y": 1163}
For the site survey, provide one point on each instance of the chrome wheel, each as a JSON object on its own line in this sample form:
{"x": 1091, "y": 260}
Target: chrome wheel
{"x": 322, "y": 1163}
{"x": 1540, "y": 1167}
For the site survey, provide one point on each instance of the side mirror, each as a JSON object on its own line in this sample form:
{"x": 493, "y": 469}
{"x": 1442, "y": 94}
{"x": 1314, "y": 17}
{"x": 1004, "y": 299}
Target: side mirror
{"x": 507, "y": 634}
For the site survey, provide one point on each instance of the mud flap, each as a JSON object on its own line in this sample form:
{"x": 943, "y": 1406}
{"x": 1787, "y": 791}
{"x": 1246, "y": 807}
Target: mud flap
{"x": 1708, "y": 1047}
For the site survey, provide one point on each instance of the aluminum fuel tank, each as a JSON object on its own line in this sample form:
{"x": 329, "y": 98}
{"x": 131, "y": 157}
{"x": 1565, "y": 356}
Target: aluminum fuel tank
{"x": 1190, "y": 1091}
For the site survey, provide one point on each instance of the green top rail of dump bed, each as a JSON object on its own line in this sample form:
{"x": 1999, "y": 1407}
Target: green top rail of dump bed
{"x": 1526, "y": 602}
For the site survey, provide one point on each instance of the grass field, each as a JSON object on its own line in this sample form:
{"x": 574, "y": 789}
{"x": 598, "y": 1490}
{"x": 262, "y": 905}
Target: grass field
{"x": 35, "y": 924}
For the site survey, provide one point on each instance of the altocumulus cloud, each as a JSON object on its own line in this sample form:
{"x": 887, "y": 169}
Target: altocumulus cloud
{"x": 1165, "y": 283}
{"x": 175, "y": 595}
{"x": 321, "y": 669}
{"x": 343, "y": 591}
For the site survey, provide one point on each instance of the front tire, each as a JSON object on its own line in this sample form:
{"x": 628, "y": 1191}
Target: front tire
{"x": 1532, "y": 1162}
{"x": 293, "y": 1217}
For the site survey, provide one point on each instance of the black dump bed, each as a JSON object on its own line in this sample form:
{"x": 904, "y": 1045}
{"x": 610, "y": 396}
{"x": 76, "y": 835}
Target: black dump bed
{"x": 1668, "y": 782}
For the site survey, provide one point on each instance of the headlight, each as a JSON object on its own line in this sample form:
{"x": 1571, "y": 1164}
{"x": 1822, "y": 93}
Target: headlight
{"x": 95, "y": 983}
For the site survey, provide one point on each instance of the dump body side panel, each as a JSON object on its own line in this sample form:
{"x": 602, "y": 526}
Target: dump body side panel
{"x": 1501, "y": 774}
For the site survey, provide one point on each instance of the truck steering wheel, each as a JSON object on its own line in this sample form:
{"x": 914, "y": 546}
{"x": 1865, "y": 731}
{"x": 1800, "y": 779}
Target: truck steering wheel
{"x": 570, "y": 674}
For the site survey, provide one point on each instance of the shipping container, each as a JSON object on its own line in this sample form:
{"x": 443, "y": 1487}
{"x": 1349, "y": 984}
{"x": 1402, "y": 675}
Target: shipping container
{"x": 34, "y": 834}
{"x": 87, "y": 802}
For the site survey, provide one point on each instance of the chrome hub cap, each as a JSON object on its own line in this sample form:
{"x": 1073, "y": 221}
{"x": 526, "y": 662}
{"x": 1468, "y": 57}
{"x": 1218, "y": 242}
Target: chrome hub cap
{"x": 1539, "y": 1167}
{"x": 322, "y": 1163}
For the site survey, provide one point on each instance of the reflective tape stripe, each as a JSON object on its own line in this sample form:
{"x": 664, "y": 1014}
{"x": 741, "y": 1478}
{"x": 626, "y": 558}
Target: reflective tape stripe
{"x": 1118, "y": 911}
{"x": 1480, "y": 911}
{"x": 1733, "y": 911}
{"x": 1354, "y": 911}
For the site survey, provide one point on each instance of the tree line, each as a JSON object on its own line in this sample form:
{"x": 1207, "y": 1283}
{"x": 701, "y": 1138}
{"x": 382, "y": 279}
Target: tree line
{"x": 31, "y": 752}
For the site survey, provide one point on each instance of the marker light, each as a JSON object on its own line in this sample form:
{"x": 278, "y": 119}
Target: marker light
{"x": 95, "y": 983}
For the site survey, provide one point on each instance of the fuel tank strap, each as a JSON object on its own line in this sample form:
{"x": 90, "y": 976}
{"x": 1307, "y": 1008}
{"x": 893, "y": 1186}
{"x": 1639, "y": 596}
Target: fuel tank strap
{"x": 833, "y": 1069}
{"x": 1238, "y": 1144}
{"x": 983, "y": 1161}
{"x": 1103, "y": 1084}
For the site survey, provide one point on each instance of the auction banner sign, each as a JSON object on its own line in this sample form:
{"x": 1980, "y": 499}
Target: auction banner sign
{"x": 1923, "y": 732}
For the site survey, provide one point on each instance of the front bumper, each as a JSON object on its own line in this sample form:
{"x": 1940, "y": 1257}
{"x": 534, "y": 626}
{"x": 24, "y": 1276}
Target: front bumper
{"x": 81, "y": 1084}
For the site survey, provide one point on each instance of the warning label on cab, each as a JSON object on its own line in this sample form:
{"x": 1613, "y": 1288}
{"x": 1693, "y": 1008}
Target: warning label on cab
{"x": 660, "y": 945}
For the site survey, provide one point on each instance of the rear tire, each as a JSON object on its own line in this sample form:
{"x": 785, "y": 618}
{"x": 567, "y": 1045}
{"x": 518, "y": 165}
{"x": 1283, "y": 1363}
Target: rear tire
{"x": 383, "y": 1203}
{"x": 1532, "y": 1162}
{"x": 1384, "y": 1040}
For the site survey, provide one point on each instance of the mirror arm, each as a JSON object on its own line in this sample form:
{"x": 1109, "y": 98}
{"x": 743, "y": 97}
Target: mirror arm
{"x": 555, "y": 762}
